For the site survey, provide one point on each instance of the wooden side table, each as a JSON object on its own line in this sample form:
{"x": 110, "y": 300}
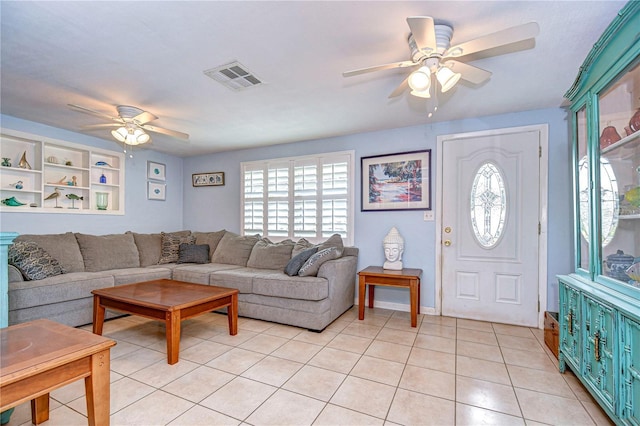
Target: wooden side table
{"x": 376, "y": 275}
{"x": 39, "y": 356}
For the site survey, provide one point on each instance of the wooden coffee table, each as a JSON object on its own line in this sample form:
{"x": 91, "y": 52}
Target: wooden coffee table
{"x": 166, "y": 300}
{"x": 39, "y": 356}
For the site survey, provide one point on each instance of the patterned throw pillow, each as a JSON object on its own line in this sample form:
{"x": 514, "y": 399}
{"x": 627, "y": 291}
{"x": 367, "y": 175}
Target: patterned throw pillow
{"x": 297, "y": 261}
{"x": 33, "y": 261}
{"x": 311, "y": 266}
{"x": 192, "y": 253}
{"x": 171, "y": 247}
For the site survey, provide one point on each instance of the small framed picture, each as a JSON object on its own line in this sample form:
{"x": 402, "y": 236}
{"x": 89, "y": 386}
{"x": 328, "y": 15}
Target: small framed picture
{"x": 156, "y": 191}
{"x": 156, "y": 171}
{"x": 207, "y": 179}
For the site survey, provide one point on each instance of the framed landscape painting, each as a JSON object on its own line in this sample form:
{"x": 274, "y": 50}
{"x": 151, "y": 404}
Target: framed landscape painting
{"x": 397, "y": 181}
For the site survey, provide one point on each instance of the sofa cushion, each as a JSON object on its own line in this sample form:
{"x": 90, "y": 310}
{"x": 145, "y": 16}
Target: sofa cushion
{"x": 301, "y": 245}
{"x": 334, "y": 241}
{"x": 136, "y": 275}
{"x": 281, "y": 285}
{"x": 104, "y": 252}
{"x": 193, "y": 253}
{"x": 149, "y": 248}
{"x": 297, "y": 261}
{"x": 234, "y": 249}
{"x": 61, "y": 288}
{"x": 268, "y": 255}
{"x": 199, "y": 273}
{"x": 33, "y": 261}
{"x": 62, "y": 247}
{"x": 210, "y": 238}
{"x": 171, "y": 246}
{"x": 312, "y": 265}
{"x": 239, "y": 278}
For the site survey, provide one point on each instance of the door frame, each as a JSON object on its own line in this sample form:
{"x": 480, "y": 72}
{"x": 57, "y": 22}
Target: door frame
{"x": 543, "y": 130}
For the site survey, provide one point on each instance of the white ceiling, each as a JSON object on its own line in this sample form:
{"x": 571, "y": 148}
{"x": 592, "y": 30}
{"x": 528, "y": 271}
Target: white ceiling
{"x": 152, "y": 55}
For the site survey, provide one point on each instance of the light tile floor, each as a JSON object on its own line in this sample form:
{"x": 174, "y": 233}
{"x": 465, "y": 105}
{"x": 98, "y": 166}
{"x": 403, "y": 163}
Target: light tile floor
{"x": 377, "y": 371}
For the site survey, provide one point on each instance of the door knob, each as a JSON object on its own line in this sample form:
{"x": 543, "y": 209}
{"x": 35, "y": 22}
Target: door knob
{"x": 447, "y": 230}
{"x": 447, "y": 243}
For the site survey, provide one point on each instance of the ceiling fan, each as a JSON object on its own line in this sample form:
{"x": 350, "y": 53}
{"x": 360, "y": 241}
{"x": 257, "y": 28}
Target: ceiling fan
{"x": 433, "y": 55}
{"x": 131, "y": 124}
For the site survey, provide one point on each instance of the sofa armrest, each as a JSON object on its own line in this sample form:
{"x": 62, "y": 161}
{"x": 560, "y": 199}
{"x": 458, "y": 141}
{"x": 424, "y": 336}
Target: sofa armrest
{"x": 15, "y": 274}
{"x": 341, "y": 275}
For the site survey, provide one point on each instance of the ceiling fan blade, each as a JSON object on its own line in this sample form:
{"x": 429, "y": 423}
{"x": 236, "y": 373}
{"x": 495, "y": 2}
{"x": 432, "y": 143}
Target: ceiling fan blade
{"x": 93, "y": 112}
{"x": 423, "y": 32}
{"x": 144, "y": 117}
{"x": 470, "y": 73}
{"x": 173, "y": 133}
{"x": 402, "y": 64}
{"x": 101, "y": 126}
{"x": 499, "y": 38}
{"x": 401, "y": 88}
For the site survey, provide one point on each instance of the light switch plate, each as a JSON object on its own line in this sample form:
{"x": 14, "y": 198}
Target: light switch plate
{"x": 429, "y": 216}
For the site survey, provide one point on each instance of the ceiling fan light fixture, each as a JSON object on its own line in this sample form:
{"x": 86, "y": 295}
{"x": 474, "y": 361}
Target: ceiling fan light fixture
{"x": 422, "y": 94}
{"x": 447, "y": 78}
{"x": 130, "y": 135}
{"x": 420, "y": 80}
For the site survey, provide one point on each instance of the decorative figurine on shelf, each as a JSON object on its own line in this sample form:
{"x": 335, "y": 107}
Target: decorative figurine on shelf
{"x": 6, "y": 162}
{"x": 74, "y": 181}
{"x": 52, "y": 159}
{"x": 62, "y": 181}
{"x": 17, "y": 185}
{"x": 609, "y": 136}
{"x": 24, "y": 164}
{"x": 54, "y": 196}
{"x": 68, "y": 163}
{"x": 73, "y": 198}
{"x": 393, "y": 245}
{"x": 103, "y": 164}
{"x": 12, "y": 202}
{"x": 103, "y": 178}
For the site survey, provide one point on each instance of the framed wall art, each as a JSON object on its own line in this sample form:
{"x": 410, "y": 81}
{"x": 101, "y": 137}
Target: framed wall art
{"x": 156, "y": 191}
{"x": 397, "y": 181}
{"x": 156, "y": 171}
{"x": 207, "y": 179}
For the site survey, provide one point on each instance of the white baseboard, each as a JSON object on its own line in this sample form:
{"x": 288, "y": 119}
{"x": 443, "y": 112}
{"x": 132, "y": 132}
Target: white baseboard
{"x": 402, "y": 307}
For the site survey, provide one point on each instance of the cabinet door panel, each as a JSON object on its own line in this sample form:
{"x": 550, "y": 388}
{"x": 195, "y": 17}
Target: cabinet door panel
{"x": 631, "y": 371}
{"x": 599, "y": 366}
{"x": 570, "y": 325}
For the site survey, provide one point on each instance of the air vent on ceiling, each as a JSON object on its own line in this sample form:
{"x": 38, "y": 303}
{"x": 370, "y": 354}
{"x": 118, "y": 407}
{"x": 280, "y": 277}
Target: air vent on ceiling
{"x": 234, "y": 75}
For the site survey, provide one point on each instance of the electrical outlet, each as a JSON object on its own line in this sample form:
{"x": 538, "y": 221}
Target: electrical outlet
{"x": 429, "y": 216}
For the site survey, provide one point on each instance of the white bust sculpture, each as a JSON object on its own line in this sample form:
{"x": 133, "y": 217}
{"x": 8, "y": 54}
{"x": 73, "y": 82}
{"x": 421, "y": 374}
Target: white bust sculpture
{"x": 393, "y": 245}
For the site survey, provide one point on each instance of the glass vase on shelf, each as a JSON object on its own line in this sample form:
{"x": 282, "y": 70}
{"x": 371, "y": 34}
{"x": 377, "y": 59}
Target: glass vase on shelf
{"x": 102, "y": 200}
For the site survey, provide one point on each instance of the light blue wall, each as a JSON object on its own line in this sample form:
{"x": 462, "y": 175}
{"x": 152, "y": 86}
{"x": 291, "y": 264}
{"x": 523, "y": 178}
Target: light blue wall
{"x": 214, "y": 208}
{"x": 141, "y": 215}
{"x": 219, "y": 207}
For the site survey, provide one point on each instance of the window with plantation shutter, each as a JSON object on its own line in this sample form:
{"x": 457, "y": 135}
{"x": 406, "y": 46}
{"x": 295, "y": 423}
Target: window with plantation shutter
{"x": 299, "y": 197}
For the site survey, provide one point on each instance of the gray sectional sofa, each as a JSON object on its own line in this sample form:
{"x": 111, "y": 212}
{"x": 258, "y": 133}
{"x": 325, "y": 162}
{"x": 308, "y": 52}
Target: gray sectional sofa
{"x": 252, "y": 265}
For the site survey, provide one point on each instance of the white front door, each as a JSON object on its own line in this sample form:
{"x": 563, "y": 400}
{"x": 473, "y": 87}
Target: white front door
{"x": 490, "y": 226}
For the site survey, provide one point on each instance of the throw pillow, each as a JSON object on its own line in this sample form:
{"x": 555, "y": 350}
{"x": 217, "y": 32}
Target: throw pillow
{"x": 234, "y": 249}
{"x": 312, "y": 266}
{"x": 334, "y": 241}
{"x": 171, "y": 247}
{"x": 297, "y": 261}
{"x": 33, "y": 261}
{"x": 193, "y": 253}
{"x": 267, "y": 255}
{"x": 105, "y": 252}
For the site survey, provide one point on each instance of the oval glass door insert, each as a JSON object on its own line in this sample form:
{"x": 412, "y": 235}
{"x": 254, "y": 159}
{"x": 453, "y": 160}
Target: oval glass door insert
{"x": 488, "y": 205}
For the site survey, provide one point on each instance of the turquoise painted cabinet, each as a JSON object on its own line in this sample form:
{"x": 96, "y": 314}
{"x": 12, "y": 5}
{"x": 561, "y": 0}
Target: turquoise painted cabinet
{"x": 600, "y": 300}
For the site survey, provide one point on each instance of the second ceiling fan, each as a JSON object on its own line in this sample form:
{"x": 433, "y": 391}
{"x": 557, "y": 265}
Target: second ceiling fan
{"x": 433, "y": 55}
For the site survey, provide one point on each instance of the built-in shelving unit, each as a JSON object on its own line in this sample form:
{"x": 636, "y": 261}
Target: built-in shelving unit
{"x": 54, "y": 166}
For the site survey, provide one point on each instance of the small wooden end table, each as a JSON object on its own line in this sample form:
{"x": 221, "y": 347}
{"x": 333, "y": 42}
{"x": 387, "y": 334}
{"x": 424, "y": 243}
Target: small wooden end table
{"x": 39, "y": 356}
{"x": 376, "y": 275}
{"x": 166, "y": 300}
